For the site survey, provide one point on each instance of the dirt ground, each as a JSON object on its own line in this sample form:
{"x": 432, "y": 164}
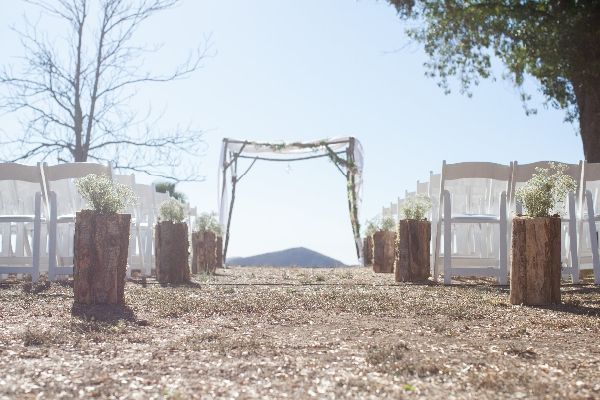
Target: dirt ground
{"x": 297, "y": 333}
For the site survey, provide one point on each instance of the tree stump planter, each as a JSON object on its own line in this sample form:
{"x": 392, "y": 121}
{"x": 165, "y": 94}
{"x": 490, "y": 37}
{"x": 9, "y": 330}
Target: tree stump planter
{"x": 206, "y": 251}
{"x": 412, "y": 251}
{"x": 383, "y": 251}
{"x": 535, "y": 271}
{"x": 100, "y": 251}
{"x": 368, "y": 251}
{"x": 172, "y": 252}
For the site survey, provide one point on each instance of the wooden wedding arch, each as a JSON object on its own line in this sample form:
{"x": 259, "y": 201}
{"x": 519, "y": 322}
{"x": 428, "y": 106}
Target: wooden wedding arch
{"x": 345, "y": 153}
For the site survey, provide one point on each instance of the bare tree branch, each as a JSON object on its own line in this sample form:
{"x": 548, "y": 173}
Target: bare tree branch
{"x": 73, "y": 95}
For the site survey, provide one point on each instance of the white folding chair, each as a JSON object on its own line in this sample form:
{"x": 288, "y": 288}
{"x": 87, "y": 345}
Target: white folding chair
{"x": 134, "y": 254}
{"x": 395, "y": 211}
{"x": 434, "y": 195}
{"x": 20, "y": 215}
{"x": 473, "y": 193}
{"x": 64, "y": 201}
{"x": 386, "y": 212}
{"x": 422, "y": 188}
{"x": 588, "y": 219}
{"x": 521, "y": 174}
{"x": 400, "y": 208}
{"x": 145, "y": 218}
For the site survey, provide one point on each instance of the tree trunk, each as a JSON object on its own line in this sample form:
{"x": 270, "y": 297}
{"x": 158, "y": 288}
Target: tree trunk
{"x": 588, "y": 103}
{"x": 383, "y": 251}
{"x": 536, "y": 265}
{"x": 412, "y": 251}
{"x": 100, "y": 257}
{"x": 171, "y": 246}
{"x": 207, "y": 252}
{"x": 368, "y": 251}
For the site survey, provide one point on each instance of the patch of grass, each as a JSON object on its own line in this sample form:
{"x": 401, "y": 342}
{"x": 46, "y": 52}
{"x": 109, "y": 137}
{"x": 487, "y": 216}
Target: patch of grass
{"x": 379, "y": 355}
{"x": 518, "y": 350}
{"x": 35, "y": 337}
{"x": 408, "y": 387}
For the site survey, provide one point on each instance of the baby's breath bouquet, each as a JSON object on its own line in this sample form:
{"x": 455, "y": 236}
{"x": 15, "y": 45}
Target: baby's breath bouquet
{"x": 379, "y": 224}
{"x": 208, "y": 222}
{"x": 171, "y": 210}
{"x": 544, "y": 194}
{"x": 387, "y": 224}
{"x": 416, "y": 208}
{"x": 371, "y": 226}
{"x": 104, "y": 195}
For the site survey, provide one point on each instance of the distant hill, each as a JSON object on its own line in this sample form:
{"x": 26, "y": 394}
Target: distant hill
{"x": 296, "y": 257}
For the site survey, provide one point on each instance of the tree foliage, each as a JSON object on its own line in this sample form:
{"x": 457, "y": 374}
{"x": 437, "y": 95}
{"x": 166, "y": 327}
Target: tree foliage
{"x": 554, "y": 41}
{"x": 170, "y": 187}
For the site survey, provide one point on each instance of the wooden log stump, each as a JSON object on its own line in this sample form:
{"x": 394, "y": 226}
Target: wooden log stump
{"x": 535, "y": 271}
{"x": 100, "y": 251}
{"x": 383, "y": 251}
{"x": 195, "y": 239}
{"x": 219, "y": 252}
{"x": 412, "y": 251}
{"x": 368, "y": 251}
{"x": 207, "y": 254}
{"x": 172, "y": 252}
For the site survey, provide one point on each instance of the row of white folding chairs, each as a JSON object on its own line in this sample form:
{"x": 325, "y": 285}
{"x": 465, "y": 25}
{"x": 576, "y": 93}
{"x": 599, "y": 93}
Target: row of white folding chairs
{"x": 477, "y": 230}
{"x": 35, "y": 202}
{"x": 37, "y": 214}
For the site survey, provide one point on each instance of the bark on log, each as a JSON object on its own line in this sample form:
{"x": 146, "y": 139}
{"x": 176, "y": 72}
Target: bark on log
{"x": 219, "y": 252}
{"x": 172, "y": 252}
{"x": 100, "y": 251}
{"x": 207, "y": 254}
{"x": 536, "y": 265}
{"x": 368, "y": 251}
{"x": 383, "y": 251}
{"x": 412, "y": 251}
{"x": 195, "y": 240}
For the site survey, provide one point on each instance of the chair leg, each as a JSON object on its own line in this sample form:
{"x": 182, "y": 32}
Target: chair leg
{"x": 37, "y": 226}
{"x": 52, "y": 232}
{"x": 447, "y": 239}
{"x": 573, "y": 239}
{"x": 502, "y": 279}
{"x": 593, "y": 237}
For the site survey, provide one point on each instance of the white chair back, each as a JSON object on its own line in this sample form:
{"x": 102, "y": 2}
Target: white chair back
{"x": 60, "y": 179}
{"x": 20, "y": 219}
{"x": 472, "y": 207}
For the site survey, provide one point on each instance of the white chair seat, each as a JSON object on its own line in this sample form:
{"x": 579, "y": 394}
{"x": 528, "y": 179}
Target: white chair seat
{"x": 474, "y": 218}
{"x": 62, "y": 219}
{"x": 17, "y": 218}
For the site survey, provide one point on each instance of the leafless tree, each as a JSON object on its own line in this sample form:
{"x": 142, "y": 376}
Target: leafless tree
{"x": 73, "y": 95}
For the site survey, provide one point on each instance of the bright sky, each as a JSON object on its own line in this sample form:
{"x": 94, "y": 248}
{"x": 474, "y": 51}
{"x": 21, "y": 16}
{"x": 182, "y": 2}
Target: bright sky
{"x": 295, "y": 71}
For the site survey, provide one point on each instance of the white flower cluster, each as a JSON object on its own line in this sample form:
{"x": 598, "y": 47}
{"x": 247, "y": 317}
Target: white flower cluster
{"x": 379, "y": 224}
{"x": 171, "y": 210}
{"x": 208, "y": 222}
{"x": 104, "y": 195}
{"x": 416, "y": 207}
{"x": 546, "y": 191}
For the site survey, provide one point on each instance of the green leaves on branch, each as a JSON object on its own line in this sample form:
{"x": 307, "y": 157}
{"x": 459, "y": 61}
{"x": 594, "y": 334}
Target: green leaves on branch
{"x": 553, "y": 41}
{"x": 169, "y": 187}
{"x": 546, "y": 191}
{"x": 104, "y": 195}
